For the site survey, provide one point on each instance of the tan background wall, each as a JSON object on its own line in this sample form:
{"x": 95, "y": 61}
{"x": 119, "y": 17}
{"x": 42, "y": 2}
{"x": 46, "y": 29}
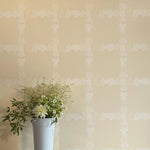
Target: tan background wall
{"x": 102, "y": 46}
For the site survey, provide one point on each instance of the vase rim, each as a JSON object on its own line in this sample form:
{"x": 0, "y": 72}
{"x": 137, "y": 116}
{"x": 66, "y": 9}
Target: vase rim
{"x": 40, "y": 119}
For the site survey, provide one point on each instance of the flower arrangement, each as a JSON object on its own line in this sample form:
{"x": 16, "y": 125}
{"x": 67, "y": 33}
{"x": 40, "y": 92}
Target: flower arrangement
{"x": 42, "y": 101}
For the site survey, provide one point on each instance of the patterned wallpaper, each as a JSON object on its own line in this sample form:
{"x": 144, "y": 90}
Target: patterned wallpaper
{"x": 103, "y": 47}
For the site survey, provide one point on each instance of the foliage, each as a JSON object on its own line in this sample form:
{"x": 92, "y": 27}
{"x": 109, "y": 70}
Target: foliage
{"x": 42, "y": 101}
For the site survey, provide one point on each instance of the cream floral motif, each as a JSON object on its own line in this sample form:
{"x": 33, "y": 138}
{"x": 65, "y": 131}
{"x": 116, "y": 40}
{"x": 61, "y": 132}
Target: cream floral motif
{"x": 40, "y": 111}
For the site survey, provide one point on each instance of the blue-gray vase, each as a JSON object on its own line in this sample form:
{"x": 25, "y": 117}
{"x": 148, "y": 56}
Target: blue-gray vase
{"x": 43, "y": 133}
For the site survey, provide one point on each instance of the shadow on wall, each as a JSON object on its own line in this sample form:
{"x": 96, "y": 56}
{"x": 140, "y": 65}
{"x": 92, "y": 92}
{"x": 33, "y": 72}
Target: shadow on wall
{"x": 27, "y": 137}
{"x": 4, "y": 126}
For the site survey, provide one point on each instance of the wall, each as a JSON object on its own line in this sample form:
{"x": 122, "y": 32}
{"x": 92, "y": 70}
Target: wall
{"x": 102, "y": 46}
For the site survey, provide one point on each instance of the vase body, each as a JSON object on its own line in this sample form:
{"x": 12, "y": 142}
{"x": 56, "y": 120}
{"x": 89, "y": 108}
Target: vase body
{"x": 43, "y": 133}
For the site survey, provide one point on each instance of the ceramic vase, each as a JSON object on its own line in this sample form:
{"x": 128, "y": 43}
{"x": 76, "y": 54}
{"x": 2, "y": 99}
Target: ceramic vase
{"x": 43, "y": 133}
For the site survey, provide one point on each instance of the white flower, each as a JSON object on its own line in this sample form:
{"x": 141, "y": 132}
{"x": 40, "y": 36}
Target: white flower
{"x": 47, "y": 107}
{"x": 54, "y": 100}
{"x": 43, "y": 96}
{"x": 54, "y": 111}
{"x": 62, "y": 113}
{"x": 40, "y": 111}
